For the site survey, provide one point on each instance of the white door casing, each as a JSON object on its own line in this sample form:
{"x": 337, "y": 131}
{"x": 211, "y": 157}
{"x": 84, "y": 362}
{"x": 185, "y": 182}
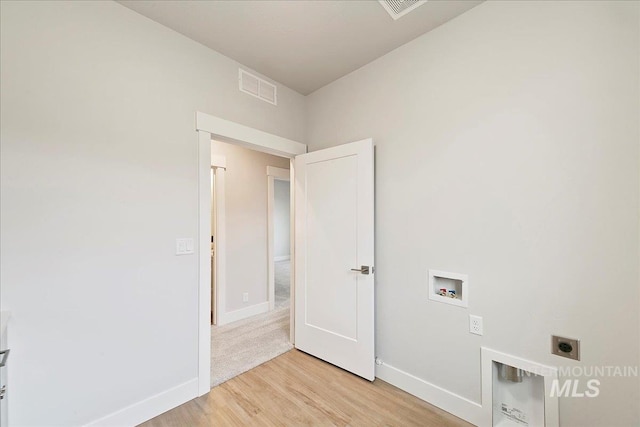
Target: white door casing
{"x": 208, "y": 127}
{"x": 334, "y": 233}
{"x": 219, "y": 231}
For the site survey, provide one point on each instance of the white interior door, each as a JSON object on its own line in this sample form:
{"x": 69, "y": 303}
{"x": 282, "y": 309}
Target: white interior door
{"x": 334, "y": 246}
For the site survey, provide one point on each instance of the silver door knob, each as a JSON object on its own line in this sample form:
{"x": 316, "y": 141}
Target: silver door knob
{"x": 365, "y": 269}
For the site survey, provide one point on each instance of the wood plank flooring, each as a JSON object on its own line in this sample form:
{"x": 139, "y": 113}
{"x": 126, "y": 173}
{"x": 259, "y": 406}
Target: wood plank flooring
{"x": 296, "y": 389}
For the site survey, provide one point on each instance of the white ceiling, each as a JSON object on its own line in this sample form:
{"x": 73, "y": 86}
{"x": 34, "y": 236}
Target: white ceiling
{"x": 301, "y": 44}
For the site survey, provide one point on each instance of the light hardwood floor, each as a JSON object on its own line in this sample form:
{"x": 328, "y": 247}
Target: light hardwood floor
{"x": 296, "y": 389}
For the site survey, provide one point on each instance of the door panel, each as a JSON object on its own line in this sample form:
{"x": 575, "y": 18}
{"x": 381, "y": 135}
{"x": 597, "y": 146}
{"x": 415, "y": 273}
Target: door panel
{"x": 334, "y": 234}
{"x": 332, "y": 231}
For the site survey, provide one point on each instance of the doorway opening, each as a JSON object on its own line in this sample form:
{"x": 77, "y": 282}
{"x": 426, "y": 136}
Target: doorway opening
{"x": 251, "y": 301}
{"x": 210, "y": 127}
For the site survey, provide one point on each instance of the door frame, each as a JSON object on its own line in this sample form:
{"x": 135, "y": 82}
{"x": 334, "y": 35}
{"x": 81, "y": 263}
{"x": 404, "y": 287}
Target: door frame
{"x": 218, "y": 230}
{"x": 274, "y": 174}
{"x": 211, "y": 127}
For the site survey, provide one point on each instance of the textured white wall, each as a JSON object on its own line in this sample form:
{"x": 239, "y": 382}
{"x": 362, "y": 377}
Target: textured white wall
{"x": 246, "y": 222}
{"x": 507, "y": 149}
{"x": 281, "y": 218}
{"x": 99, "y": 177}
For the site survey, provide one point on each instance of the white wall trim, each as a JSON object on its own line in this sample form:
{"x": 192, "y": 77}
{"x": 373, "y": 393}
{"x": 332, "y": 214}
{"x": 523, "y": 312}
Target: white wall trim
{"x": 243, "y": 313}
{"x": 220, "y": 237}
{"x": 292, "y": 252}
{"x": 148, "y": 408}
{"x": 282, "y": 258}
{"x": 278, "y": 173}
{"x": 204, "y": 263}
{"x": 273, "y": 173}
{"x": 235, "y": 133}
{"x": 457, "y": 405}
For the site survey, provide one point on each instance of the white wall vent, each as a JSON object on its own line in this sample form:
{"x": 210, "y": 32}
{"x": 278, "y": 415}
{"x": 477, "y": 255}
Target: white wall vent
{"x": 399, "y": 8}
{"x": 255, "y": 86}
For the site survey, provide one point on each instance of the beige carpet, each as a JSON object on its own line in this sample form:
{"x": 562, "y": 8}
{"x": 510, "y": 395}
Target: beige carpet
{"x": 243, "y": 345}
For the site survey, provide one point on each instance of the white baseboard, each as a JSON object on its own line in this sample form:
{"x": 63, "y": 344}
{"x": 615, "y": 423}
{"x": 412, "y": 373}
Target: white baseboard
{"x": 282, "y": 258}
{"x": 243, "y": 313}
{"x": 151, "y": 407}
{"x": 457, "y": 405}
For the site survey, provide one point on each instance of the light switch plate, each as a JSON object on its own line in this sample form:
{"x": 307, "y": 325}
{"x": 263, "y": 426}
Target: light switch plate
{"x": 184, "y": 246}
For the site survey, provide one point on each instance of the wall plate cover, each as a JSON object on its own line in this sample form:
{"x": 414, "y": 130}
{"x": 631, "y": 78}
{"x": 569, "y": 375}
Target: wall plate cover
{"x": 184, "y": 246}
{"x": 565, "y": 347}
{"x": 475, "y": 325}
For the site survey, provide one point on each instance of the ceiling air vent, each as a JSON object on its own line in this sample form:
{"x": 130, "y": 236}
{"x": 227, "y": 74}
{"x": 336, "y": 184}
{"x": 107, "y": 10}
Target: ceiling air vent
{"x": 255, "y": 86}
{"x": 399, "y": 8}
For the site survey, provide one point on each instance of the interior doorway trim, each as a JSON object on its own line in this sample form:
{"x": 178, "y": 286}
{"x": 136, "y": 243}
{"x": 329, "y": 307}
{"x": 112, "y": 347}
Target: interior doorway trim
{"x": 218, "y": 230}
{"x": 211, "y": 127}
{"x": 235, "y": 133}
{"x": 273, "y": 174}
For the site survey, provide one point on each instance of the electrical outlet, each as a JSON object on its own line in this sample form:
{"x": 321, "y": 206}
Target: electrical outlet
{"x": 475, "y": 324}
{"x": 565, "y": 347}
{"x": 245, "y": 297}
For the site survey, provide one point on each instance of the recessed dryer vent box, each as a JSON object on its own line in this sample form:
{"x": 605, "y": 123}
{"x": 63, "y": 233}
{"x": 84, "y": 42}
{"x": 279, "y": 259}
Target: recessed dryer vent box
{"x": 449, "y": 288}
{"x": 517, "y": 392}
